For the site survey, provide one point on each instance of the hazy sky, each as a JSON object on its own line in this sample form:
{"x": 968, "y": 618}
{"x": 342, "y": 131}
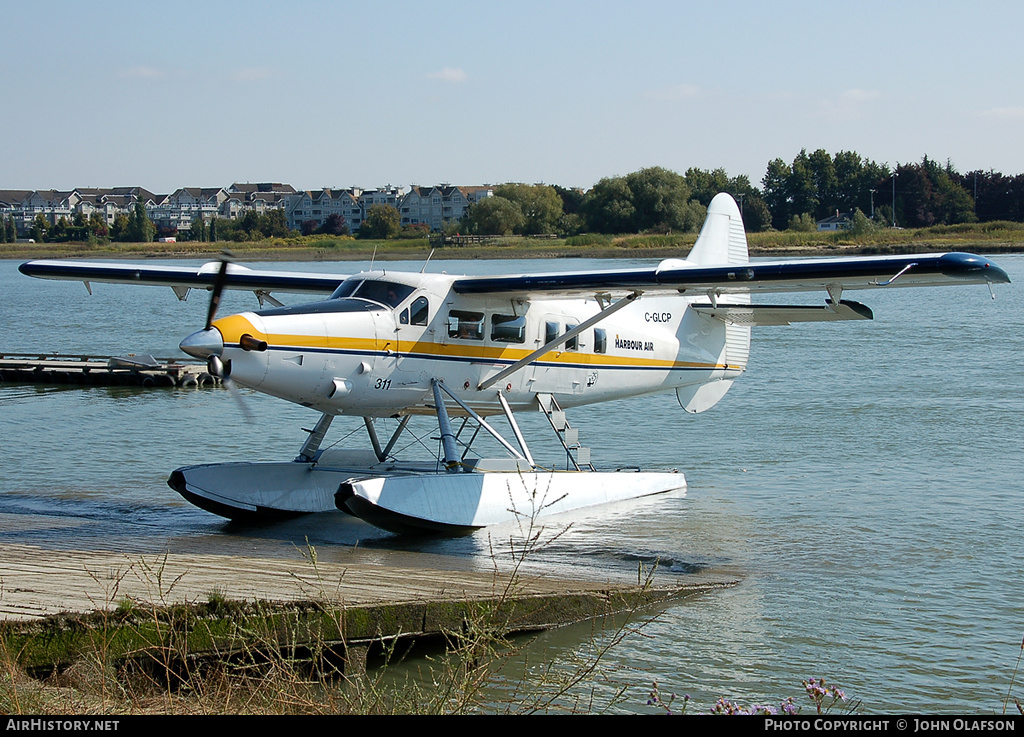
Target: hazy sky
{"x": 339, "y": 94}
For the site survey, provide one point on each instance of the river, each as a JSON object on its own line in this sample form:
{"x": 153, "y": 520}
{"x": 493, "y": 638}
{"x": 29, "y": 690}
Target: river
{"x": 862, "y": 480}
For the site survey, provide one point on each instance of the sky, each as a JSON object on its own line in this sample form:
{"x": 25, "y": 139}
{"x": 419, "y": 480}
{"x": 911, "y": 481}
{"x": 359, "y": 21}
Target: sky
{"x": 341, "y": 94}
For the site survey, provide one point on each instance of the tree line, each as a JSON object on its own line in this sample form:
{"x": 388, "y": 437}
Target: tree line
{"x": 792, "y": 196}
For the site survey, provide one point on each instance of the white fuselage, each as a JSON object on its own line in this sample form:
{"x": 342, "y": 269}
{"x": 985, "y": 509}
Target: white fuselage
{"x": 375, "y": 352}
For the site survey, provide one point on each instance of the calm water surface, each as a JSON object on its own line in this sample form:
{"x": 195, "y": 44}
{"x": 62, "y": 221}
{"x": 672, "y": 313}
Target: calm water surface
{"x": 862, "y": 480}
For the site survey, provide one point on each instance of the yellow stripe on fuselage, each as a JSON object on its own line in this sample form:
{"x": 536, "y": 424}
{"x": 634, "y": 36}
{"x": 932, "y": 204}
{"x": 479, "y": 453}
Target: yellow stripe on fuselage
{"x": 234, "y": 327}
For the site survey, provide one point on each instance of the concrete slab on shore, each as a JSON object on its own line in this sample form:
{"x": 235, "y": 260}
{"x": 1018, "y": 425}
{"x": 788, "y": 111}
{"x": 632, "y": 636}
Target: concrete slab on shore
{"x": 56, "y": 604}
{"x": 35, "y": 582}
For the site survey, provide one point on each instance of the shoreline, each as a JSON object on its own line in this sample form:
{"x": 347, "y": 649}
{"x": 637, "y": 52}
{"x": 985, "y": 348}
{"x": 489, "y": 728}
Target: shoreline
{"x": 472, "y": 253}
{"x": 222, "y": 603}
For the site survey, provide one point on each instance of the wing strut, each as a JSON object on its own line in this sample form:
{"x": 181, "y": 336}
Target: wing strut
{"x": 565, "y": 337}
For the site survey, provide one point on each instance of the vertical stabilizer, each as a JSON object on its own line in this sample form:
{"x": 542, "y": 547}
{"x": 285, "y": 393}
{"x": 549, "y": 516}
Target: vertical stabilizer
{"x": 722, "y": 239}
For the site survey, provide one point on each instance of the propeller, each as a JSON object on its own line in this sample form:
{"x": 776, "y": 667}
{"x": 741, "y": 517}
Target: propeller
{"x": 218, "y": 288}
{"x": 209, "y": 344}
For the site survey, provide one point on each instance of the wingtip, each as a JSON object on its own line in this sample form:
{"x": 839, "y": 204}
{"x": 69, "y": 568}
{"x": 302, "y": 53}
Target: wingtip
{"x": 970, "y": 266}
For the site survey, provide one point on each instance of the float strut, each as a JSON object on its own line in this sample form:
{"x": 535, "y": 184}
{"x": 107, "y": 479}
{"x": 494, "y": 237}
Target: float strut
{"x": 448, "y": 443}
{"x": 316, "y": 436}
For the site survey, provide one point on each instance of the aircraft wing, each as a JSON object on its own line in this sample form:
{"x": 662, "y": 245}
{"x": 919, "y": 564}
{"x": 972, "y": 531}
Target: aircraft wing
{"x": 676, "y": 275}
{"x": 183, "y": 278}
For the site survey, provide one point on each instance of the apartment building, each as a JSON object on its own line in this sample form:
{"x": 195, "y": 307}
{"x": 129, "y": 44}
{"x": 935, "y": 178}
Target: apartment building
{"x": 305, "y": 210}
{"x": 436, "y": 206}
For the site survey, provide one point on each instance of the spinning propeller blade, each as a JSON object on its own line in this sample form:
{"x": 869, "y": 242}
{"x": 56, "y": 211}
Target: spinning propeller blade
{"x": 218, "y": 288}
{"x": 212, "y": 349}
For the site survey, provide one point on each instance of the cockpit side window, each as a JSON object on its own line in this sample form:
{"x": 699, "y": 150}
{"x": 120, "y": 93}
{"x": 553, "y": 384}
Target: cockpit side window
{"x": 420, "y": 311}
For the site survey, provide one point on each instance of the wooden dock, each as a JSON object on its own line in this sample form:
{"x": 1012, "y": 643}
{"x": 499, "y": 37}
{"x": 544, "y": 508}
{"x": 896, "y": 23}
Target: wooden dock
{"x": 90, "y": 370}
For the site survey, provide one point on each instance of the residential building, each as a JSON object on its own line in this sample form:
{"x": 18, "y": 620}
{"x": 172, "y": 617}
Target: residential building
{"x": 436, "y": 206}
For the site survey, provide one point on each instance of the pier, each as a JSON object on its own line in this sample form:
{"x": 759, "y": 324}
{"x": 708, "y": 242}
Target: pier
{"x": 91, "y": 370}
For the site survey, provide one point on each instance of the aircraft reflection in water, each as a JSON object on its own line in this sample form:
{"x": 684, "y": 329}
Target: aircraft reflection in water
{"x": 462, "y": 349}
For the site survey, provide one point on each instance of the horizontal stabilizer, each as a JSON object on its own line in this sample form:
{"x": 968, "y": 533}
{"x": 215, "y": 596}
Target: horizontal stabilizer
{"x": 761, "y": 315}
{"x": 698, "y": 398}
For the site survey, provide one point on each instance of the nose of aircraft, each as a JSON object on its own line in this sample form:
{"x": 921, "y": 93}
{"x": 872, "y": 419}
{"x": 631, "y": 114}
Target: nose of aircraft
{"x": 203, "y": 343}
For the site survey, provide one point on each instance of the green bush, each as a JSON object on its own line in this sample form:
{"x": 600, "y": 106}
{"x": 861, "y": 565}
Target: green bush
{"x": 589, "y": 239}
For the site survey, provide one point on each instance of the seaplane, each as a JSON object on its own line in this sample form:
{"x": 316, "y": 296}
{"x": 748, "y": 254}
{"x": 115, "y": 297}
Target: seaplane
{"x": 467, "y": 351}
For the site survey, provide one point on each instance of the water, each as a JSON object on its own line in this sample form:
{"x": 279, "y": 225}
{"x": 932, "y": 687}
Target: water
{"x": 863, "y": 481}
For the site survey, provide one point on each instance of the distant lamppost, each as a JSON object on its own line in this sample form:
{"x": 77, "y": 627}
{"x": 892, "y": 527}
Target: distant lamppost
{"x": 894, "y": 198}
{"x": 872, "y": 204}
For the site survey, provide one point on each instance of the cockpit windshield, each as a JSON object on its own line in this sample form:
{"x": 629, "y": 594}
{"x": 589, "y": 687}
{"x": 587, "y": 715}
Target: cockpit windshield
{"x": 383, "y": 292}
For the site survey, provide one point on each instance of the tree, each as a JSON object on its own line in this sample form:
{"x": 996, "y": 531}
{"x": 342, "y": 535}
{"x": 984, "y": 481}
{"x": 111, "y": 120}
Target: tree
{"x": 929, "y": 194}
{"x": 59, "y": 231}
{"x": 140, "y": 228}
{"x": 382, "y": 222}
{"x": 802, "y": 187}
{"x": 119, "y": 227}
{"x": 860, "y": 224}
{"x": 334, "y": 225}
{"x": 661, "y": 200}
{"x": 275, "y": 224}
{"x": 823, "y": 176}
{"x": 40, "y": 227}
{"x": 776, "y": 192}
{"x": 494, "y": 215}
{"x": 804, "y": 223}
{"x": 997, "y": 196}
{"x": 704, "y": 185}
{"x": 820, "y": 184}
{"x": 608, "y": 207}
{"x": 198, "y": 230}
{"x": 539, "y": 203}
{"x": 756, "y": 215}
{"x": 572, "y": 199}
{"x": 98, "y": 225}
{"x": 652, "y": 199}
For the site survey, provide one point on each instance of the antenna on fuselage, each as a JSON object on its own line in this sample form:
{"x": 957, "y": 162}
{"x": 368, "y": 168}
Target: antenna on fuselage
{"x": 429, "y": 256}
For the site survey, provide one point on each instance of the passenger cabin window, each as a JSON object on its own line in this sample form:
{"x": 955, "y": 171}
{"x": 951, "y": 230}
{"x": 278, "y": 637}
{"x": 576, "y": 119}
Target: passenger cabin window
{"x": 466, "y": 325}
{"x": 573, "y": 344}
{"x": 550, "y": 331}
{"x": 600, "y": 340}
{"x": 508, "y": 329}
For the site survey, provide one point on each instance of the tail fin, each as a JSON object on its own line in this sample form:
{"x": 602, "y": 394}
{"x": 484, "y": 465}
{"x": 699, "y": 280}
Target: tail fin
{"x": 723, "y": 241}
